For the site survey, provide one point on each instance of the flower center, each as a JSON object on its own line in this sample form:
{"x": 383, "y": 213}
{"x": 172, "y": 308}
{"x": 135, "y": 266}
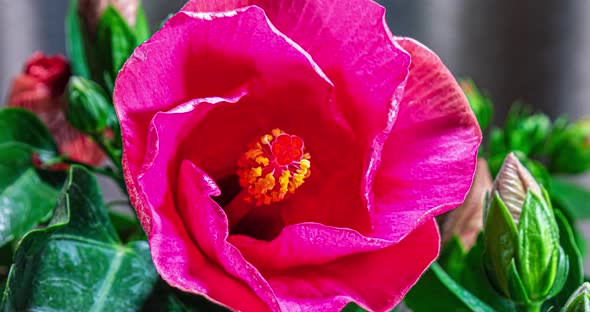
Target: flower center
{"x": 273, "y": 167}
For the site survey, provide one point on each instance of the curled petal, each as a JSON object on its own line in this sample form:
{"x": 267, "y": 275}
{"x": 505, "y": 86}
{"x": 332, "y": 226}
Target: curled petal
{"x": 429, "y": 160}
{"x": 354, "y": 278}
{"x": 352, "y": 44}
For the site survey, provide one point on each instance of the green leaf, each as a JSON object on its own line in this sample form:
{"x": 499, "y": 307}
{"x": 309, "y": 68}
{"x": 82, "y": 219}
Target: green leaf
{"x": 474, "y": 278}
{"x": 75, "y": 41}
{"x": 575, "y": 276}
{"x": 452, "y": 257}
{"x": 572, "y": 197}
{"x": 430, "y": 294}
{"x": 461, "y": 293}
{"x": 26, "y": 198}
{"x": 78, "y": 261}
{"x": 127, "y": 226}
{"x": 19, "y": 125}
{"x": 166, "y": 298}
{"x": 115, "y": 43}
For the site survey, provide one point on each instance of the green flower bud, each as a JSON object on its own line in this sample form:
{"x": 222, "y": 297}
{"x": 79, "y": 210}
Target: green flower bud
{"x": 88, "y": 108}
{"x": 569, "y": 147}
{"x": 481, "y": 105}
{"x": 110, "y": 29}
{"x": 579, "y": 301}
{"x": 523, "y": 258}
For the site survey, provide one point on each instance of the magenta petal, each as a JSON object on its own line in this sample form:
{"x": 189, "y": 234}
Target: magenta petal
{"x": 429, "y": 160}
{"x": 377, "y": 281}
{"x": 201, "y": 56}
{"x": 186, "y": 267}
{"x": 350, "y": 41}
{"x": 207, "y": 225}
{"x": 305, "y": 244}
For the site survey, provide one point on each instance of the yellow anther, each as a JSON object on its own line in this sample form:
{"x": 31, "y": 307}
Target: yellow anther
{"x": 273, "y": 167}
{"x": 261, "y": 160}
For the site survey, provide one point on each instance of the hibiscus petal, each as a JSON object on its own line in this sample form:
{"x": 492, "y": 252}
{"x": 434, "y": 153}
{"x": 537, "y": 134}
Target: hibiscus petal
{"x": 429, "y": 160}
{"x": 304, "y": 244}
{"x": 198, "y": 56}
{"x": 352, "y": 44}
{"x": 208, "y": 228}
{"x": 377, "y": 280}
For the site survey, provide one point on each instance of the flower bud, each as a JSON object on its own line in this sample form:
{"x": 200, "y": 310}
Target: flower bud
{"x": 91, "y": 11}
{"x": 569, "y": 148}
{"x": 523, "y": 257}
{"x": 579, "y": 301}
{"x": 40, "y": 89}
{"x": 114, "y": 29}
{"x": 512, "y": 185}
{"x": 89, "y": 109}
{"x": 467, "y": 220}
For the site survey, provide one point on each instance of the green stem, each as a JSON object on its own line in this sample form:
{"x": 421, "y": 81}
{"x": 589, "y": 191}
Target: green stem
{"x": 111, "y": 152}
{"x": 531, "y": 307}
{"x": 107, "y": 172}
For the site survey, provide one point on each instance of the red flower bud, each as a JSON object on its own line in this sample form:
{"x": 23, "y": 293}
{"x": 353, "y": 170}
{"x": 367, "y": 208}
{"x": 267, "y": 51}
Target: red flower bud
{"x": 40, "y": 89}
{"x": 54, "y": 71}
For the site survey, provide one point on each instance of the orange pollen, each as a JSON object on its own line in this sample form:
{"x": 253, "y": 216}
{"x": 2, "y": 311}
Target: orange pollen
{"x": 274, "y": 166}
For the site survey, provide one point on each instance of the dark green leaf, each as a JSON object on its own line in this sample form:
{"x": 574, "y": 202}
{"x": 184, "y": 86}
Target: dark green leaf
{"x": 22, "y": 126}
{"x": 430, "y": 294}
{"x": 351, "y": 307}
{"x": 78, "y": 262}
{"x": 26, "y": 199}
{"x": 75, "y": 41}
{"x": 127, "y": 226}
{"x": 6, "y": 253}
{"x": 452, "y": 257}
{"x": 474, "y": 278}
{"x": 461, "y": 293}
{"x": 166, "y": 298}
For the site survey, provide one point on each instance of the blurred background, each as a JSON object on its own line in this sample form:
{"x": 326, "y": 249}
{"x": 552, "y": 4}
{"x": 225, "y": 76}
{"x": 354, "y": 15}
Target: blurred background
{"x": 513, "y": 50}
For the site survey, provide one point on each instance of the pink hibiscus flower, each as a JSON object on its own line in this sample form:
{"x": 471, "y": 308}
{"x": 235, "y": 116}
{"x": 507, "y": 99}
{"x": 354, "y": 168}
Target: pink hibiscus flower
{"x": 291, "y": 155}
{"x": 40, "y": 89}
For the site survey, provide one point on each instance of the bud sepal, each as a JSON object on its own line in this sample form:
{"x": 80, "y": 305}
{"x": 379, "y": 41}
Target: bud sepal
{"x": 88, "y": 107}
